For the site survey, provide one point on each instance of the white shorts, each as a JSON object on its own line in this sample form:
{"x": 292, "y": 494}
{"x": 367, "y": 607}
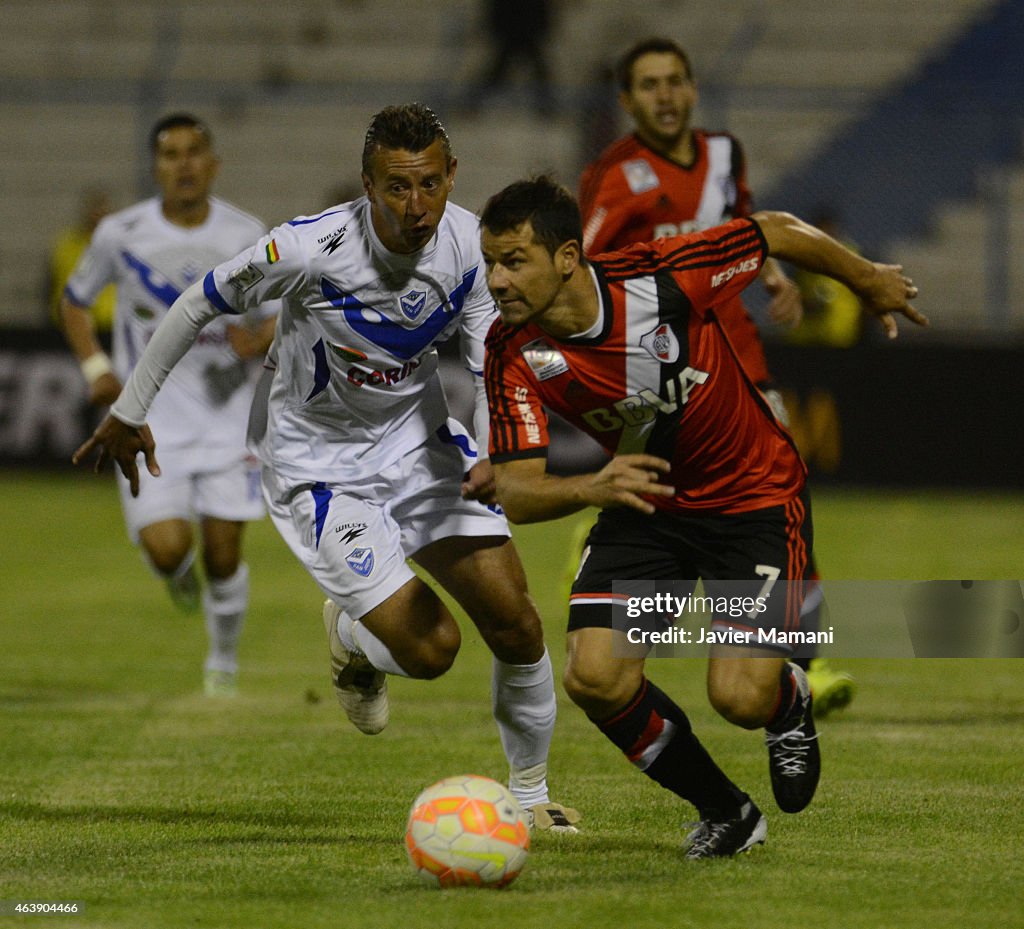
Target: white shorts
{"x": 354, "y": 539}
{"x": 183, "y": 491}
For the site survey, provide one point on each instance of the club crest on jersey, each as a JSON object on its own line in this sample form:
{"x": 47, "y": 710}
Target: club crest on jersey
{"x": 413, "y": 303}
{"x": 662, "y": 344}
{"x": 244, "y": 278}
{"x": 640, "y": 175}
{"x": 544, "y": 361}
{"x": 360, "y": 560}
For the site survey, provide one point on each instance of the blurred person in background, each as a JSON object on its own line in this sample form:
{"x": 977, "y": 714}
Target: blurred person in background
{"x": 68, "y": 247}
{"x": 666, "y": 178}
{"x": 517, "y": 32}
{"x": 832, "y": 312}
{"x": 153, "y": 251}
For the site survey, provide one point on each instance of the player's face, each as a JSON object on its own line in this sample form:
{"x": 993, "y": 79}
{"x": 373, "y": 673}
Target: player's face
{"x": 185, "y": 166}
{"x": 408, "y": 192}
{"x": 660, "y": 98}
{"x": 522, "y": 275}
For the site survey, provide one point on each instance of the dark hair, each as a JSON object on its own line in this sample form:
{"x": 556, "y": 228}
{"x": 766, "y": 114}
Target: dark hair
{"x": 654, "y": 45}
{"x": 176, "y": 121}
{"x": 411, "y": 126}
{"x": 548, "y": 206}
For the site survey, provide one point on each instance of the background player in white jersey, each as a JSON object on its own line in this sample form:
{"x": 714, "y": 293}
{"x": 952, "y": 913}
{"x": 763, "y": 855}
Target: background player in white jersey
{"x": 153, "y": 251}
{"x": 363, "y": 468}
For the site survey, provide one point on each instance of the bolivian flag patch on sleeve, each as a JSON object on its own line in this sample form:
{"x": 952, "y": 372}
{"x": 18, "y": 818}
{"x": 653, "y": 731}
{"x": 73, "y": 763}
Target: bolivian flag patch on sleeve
{"x": 272, "y": 253}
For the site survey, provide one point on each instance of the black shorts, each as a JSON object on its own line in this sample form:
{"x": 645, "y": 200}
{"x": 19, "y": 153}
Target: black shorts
{"x": 739, "y": 556}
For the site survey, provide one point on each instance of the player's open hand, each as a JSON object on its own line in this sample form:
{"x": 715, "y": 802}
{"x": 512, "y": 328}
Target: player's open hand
{"x": 628, "y": 480}
{"x": 117, "y": 441}
{"x": 889, "y": 292}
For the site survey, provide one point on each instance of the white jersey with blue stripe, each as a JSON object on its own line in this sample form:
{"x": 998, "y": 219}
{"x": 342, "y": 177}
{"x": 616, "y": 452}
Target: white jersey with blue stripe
{"x": 205, "y": 400}
{"x": 356, "y": 385}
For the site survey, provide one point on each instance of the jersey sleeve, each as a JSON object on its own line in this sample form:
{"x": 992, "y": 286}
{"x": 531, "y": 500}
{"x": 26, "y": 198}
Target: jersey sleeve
{"x": 272, "y": 269}
{"x": 478, "y": 313}
{"x": 710, "y": 267}
{"x": 96, "y": 268}
{"x": 519, "y": 425}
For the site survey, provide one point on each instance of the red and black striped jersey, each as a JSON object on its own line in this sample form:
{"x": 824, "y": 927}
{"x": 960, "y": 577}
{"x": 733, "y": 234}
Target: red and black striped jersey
{"x": 660, "y": 377}
{"x": 631, "y": 194}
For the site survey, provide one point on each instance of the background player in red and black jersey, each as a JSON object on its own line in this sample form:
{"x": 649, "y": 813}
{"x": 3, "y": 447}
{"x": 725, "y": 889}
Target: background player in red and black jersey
{"x": 670, "y": 178}
{"x": 667, "y": 178}
{"x": 703, "y": 481}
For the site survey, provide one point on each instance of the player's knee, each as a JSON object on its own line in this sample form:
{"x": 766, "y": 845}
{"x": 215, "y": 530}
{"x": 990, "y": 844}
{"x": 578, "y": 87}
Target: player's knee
{"x": 166, "y": 558}
{"x": 221, "y": 563}
{"x": 599, "y": 689}
{"x": 516, "y": 635}
{"x": 166, "y": 544}
{"x": 431, "y": 656}
{"x": 741, "y": 702}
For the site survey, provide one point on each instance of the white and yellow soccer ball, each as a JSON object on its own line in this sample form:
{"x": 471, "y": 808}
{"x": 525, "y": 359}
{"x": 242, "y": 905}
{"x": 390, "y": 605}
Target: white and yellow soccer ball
{"x": 467, "y": 831}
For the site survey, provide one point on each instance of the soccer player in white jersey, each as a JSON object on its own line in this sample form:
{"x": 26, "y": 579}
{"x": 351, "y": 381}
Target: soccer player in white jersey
{"x": 362, "y": 465}
{"x": 153, "y": 251}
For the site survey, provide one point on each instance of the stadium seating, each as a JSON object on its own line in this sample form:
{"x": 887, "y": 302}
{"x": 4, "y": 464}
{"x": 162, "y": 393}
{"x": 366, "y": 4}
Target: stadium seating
{"x": 289, "y": 88}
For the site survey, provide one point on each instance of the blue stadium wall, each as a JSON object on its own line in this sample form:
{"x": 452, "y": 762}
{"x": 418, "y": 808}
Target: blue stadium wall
{"x": 925, "y": 143}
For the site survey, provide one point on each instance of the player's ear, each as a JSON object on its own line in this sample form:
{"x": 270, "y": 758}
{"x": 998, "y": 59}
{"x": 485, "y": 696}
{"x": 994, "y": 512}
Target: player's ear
{"x": 567, "y": 258}
{"x": 367, "y": 185}
{"x": 451, "y": 172}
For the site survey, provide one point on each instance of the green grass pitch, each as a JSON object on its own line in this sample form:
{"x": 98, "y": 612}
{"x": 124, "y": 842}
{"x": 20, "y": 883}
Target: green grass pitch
{"x": 123, "y": 788}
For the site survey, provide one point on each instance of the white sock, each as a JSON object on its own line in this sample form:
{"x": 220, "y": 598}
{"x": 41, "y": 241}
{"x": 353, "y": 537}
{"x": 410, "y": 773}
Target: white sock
{"x": 224, "y": 603}
{"x": 368, "y": 644}
{"x": 345, "y": 633}
{"x": 186, "y": 563}
{"x": 523, "y": 698}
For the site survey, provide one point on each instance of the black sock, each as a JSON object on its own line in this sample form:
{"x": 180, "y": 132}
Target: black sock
{"x": 787, "y": 697}
{"x": 655, "y": 735}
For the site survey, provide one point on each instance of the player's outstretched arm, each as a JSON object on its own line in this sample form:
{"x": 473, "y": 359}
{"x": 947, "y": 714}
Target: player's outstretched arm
{"x": 119, "y": 442}
{"x": 528, "y": 494}
{"x": 884, "y": 289}
{"x": 80, "y": 332}
{"x": 124, "y": 433}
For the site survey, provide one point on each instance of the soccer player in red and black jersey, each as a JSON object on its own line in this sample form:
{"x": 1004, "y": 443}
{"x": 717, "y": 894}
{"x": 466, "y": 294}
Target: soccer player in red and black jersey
{"x": 703, "y": 481}
{"x": 669, "y": 177}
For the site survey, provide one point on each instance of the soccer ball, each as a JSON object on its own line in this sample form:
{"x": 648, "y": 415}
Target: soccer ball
{"x": 467, "y": 831}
